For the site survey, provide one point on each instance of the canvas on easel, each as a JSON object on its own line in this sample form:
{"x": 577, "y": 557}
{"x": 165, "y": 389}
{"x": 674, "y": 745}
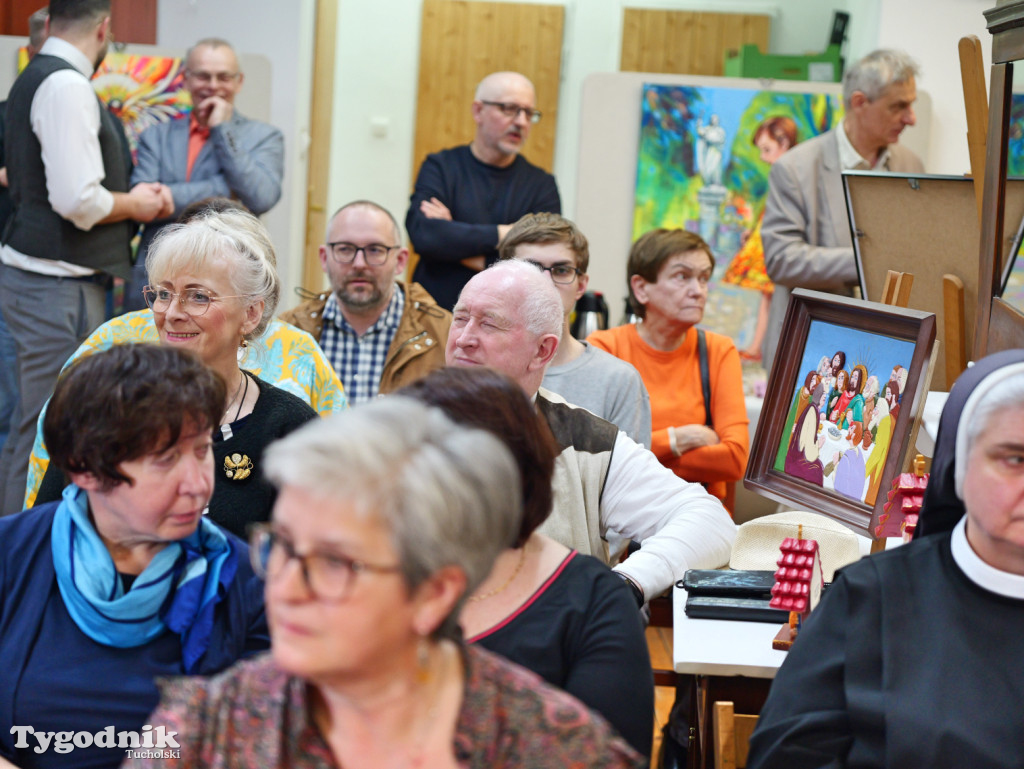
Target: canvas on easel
{"x": 926, "y": 225}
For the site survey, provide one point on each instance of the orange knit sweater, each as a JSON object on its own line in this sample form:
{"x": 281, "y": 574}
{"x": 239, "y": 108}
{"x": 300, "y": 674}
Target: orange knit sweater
{"x": 673, "y": 382}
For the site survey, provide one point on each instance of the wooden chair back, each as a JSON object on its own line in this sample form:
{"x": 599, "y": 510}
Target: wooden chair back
{"x": 732, "y": 736}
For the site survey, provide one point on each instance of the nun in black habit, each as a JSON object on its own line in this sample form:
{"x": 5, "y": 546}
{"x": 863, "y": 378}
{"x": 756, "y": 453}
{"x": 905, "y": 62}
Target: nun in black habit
{"x": 915, "y": 656}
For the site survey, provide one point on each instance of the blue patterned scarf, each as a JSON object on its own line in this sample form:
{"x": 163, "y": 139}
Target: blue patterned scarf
{"x": 178, "y": 590}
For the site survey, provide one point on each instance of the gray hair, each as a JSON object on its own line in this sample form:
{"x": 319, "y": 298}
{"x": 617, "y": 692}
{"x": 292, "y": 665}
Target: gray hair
{"x": 876, "y": 72}
{"x": 209, "y": 42}
{"x": 1001, "y": 390}
{"x": 373, "y": 207}
{"x": 450, "y": 495}
{"x": 496, "y": 82}
{"x": 235, "y": 236}
{"x": 541, "y": 306}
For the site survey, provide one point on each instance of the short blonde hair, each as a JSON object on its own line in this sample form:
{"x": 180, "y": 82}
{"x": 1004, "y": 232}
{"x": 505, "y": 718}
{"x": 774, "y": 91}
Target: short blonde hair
{"x": 237, "y": 236}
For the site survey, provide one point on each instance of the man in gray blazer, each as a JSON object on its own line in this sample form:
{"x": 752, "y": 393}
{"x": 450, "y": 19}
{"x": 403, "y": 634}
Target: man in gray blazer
{"x": 215, "y": 152}
{"x": 806, "y": 231}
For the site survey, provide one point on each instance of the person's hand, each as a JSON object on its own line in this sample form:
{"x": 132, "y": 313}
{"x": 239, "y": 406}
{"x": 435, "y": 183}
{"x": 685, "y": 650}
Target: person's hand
{"x": 212, "y": 111}
{"x": 168, "y": 200}
{"x": 435, "y": 209}
{"x": 3, "y": 176}
{"x": 503, "y": 231}
{"x": 475, "y": 263}
{"x": 689, "y": 437}
{"x": 147, "y": 201}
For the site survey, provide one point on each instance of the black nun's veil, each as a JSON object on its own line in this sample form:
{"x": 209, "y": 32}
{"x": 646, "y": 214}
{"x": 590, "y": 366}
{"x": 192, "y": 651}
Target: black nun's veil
{"x": 942, "y": 508}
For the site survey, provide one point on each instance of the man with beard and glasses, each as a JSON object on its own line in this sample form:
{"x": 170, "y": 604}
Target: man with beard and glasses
{"x": 68, "y": 167}
{"x": 467, "y": 198}
{"x": 378, "y": 332}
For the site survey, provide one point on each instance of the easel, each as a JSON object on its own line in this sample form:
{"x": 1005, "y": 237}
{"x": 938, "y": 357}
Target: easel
{"x": 896, "y": 292}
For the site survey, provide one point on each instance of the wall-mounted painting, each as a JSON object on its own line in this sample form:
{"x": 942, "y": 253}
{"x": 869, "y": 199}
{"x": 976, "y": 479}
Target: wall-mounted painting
{"x": 842, "y": 406}
{"x": 704, "y": 158}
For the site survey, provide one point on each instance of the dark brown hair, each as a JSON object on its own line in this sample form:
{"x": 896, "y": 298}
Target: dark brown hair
{"x": 126, "y": 402}
{"x": 545, "y": 229}
{"x": 652, "y": 250}
{"x": 489, "y": 400}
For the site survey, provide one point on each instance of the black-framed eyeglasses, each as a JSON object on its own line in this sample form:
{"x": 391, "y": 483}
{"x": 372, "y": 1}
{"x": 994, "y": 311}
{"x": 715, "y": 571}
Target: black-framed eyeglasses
{"x": 194, "y": 301}
{"x": 512, "y": 110}
{"x": 375, "y": 253}
{"x": 560, "y": 273}
{"x": 327, "y": 575}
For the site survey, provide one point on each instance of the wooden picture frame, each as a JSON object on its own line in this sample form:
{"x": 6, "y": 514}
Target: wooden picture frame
{"x": 877, "y": 335}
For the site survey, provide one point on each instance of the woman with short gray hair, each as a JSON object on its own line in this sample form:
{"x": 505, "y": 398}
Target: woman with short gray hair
{"x": 388, "y": 516}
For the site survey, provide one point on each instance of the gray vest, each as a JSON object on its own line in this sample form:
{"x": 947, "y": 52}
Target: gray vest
{"x": 36, "y": 229}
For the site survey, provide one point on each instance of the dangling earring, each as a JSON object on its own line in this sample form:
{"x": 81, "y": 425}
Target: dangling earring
{"x": 422, "y": 661}
{"x": 243, "y": 349}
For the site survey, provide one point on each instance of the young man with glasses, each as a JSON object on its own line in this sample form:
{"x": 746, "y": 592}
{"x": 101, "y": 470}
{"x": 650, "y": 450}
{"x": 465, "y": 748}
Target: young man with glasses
{"x": 582, "y": 374}
{"x": 379, "y": 333}
{"x": 215, "y": 152}
{"x": 466, "y": 198}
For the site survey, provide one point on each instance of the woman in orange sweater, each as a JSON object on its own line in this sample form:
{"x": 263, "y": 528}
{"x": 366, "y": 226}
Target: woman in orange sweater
{"x": 668, "y": 274}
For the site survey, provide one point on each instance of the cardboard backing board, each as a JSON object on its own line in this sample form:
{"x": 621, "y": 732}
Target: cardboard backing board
{"x": 926, "y": 225}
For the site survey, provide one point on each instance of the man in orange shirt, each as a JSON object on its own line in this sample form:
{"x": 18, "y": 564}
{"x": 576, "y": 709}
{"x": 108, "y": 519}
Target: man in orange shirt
{"x": 215, "y": 152}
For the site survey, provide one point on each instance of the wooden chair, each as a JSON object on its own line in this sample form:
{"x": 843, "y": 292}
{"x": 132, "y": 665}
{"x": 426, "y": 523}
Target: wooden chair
{"x": 732, "y": 736}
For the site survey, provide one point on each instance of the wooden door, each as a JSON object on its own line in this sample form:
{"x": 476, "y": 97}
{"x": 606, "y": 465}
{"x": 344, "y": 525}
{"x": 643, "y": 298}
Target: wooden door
{"x": 687, "y": 42}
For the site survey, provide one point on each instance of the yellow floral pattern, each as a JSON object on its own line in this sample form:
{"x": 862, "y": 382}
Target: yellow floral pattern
{"x": 284, "y": 356}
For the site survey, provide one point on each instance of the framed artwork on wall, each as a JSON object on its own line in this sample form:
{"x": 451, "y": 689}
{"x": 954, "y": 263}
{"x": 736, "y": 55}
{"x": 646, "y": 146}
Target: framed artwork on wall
{"x": 842, "y": 406}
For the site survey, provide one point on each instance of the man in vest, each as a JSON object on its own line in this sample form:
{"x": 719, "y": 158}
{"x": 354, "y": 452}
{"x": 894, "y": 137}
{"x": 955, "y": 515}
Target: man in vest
{"x": 68, "y": 169}
{"x": 509, "y": 317}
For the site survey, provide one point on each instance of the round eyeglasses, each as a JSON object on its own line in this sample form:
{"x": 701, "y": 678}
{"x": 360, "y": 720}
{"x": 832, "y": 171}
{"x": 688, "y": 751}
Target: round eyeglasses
{"x": 513, "y": 110}
{"x": 375, "y": 253}
{"x": 327, "y": 575}
{"x": 560, "y": 273}
{"x": 194, "y": 301}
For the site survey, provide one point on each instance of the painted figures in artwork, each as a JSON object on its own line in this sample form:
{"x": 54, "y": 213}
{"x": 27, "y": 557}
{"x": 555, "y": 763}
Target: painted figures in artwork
{"x": 802, "y": 460}
{"x": 844, "y": 447}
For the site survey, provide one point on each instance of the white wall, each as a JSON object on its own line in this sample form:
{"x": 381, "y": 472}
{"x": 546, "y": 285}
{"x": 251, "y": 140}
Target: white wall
{"x": 931, "y": 30}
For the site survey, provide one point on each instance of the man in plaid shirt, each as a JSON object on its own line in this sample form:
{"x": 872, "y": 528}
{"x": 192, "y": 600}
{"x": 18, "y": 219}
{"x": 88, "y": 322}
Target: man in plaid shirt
{"x": 378, "y": 332}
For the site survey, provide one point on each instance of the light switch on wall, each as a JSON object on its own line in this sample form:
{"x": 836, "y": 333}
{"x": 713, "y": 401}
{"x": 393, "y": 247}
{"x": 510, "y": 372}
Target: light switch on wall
{"x": 379, "y": 127}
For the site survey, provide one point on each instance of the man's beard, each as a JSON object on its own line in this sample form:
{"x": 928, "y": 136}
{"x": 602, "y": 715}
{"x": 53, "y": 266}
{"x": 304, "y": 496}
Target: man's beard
{"x": 363, "y": 300}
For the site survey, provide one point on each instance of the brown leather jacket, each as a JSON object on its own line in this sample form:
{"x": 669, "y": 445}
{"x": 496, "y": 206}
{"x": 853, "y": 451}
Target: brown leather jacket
{"x": 418, "y": 346}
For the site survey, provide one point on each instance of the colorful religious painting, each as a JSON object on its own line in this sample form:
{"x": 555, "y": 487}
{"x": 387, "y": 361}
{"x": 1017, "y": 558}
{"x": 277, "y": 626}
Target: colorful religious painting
{"x": 704, "y": 158}
{"x": 842, "y": 404}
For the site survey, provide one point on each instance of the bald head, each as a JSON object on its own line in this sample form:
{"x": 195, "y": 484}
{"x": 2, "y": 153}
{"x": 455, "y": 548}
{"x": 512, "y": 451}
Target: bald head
{"x": 504, "y": 108}
{"x": 508, "y": 317}
{"x": 497, "y": 83}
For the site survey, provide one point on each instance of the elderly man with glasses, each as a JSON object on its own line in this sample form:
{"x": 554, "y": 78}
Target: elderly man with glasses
{"x": 581, "y": 373}
{"x": 378, "y": 333}
{"x": 466, "y": 198}
{"x": 214, "y": 152}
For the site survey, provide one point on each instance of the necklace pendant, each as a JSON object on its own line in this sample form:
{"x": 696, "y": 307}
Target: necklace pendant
{"x": 237, "y": 466}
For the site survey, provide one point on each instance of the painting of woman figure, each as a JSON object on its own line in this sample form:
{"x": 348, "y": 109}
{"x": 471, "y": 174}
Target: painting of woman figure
{"x": 802, "y": 460}
{"x": 838, "y": 399}
{"x": 772, "y": 138}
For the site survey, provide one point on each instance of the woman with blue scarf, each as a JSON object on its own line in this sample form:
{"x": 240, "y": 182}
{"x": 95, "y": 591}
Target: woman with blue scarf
{"x": 123, "y": 580}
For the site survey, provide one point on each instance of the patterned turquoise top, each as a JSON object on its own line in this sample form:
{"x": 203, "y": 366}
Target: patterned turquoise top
{"x": 255, "y": 715}
{"x": 284, "y": 356}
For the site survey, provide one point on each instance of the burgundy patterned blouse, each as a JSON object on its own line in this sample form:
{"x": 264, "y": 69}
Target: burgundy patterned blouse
{"x": 254, "y": 715}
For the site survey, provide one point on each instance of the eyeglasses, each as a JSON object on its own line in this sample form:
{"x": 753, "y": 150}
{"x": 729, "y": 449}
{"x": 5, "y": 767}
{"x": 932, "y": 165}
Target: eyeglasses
{"x": 513, "y": 110}
{"x": 560, "y": 273}
{"x": 329, "y": 576}
{"x": 223, "y": 78}
{"x": 375, "y": 253}
{"x": 194, "y": 301}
